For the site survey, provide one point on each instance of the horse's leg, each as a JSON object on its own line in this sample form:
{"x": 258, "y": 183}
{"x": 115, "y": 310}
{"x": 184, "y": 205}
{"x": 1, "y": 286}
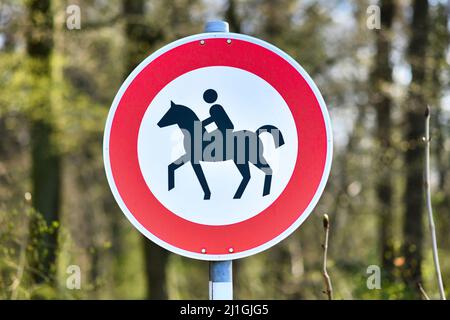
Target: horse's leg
{"x": 201, "y": 178}
{"x": 268, "y": 178}
{"x": 171, "y": 170}
{"x": 245, "y": 172}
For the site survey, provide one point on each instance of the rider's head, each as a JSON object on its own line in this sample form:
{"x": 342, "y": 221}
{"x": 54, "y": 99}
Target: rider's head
{"x": 210, "y": 96}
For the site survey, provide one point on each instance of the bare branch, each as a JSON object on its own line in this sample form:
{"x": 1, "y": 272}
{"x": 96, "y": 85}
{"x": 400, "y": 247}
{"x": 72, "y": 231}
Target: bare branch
{"x": 429, "y": 207}
{"x": 20, "y": 270}
{"x": 328, "y": 287}
{"x": 423, "y": 292}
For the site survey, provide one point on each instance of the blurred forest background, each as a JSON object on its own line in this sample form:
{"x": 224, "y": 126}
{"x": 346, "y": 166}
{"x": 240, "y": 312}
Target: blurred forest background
{"x": 56, "y": 86}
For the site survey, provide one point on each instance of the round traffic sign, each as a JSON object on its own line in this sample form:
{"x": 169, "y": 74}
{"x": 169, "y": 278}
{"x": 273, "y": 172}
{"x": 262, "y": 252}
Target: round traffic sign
{"x": 217, "y": 146}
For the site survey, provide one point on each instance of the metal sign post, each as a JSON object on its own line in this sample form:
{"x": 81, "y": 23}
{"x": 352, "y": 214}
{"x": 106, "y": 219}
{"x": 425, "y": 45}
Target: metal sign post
{"x": 221, "y": 280}
{"x": 220, "y": 272}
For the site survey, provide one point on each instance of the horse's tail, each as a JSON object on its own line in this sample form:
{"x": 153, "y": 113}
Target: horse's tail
{"x": 274, "y": 131}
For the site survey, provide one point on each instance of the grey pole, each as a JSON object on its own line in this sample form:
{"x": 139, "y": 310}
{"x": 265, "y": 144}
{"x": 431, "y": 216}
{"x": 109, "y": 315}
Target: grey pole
{"x": 221, "y": 280}
{"x": 217, "y": 26}
{"x": 220, "y": 272}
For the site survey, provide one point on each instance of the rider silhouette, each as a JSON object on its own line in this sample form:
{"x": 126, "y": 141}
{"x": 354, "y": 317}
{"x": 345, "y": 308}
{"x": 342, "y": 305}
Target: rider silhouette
{"x": 241, "y": 154}
{"x": 217, "y": 113}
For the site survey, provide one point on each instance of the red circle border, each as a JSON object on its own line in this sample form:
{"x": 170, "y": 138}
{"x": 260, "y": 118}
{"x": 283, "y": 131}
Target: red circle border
{"x": 280, "y": 215}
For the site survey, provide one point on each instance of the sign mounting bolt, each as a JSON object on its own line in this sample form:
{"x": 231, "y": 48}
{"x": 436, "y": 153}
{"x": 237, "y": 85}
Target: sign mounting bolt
{"x": 202, "y": 42}
{"x": 203, "y": 250}
{"x": 231, "y": 250}
{"x": 229, "y": 41}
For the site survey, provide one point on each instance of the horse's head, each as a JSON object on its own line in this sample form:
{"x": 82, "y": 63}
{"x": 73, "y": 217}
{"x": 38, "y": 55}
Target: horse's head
{"x": 170, "y": 117}
{"x": 177, "y": 114}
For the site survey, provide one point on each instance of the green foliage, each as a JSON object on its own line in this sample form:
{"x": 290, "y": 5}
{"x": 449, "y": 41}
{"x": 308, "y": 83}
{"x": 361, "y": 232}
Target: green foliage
{"x": 15, "y": 273}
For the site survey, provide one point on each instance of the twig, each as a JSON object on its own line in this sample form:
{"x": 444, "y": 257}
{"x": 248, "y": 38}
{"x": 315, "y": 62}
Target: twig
{"x": 429, "y": 207}
{"x": 326, "y": 277}
{"x": 20, "y": 269}
{"x": 423, "y": 292}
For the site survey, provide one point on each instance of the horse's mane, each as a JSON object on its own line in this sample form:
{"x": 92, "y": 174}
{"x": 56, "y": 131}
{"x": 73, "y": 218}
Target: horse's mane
{"x": 187, "y": 113}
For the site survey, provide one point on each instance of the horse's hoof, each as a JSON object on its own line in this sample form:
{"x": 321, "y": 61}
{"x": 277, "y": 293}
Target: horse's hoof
{"x": 207, "y": 197}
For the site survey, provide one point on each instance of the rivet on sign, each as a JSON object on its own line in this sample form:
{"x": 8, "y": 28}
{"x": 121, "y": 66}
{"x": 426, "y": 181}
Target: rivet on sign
{"x": 229, "y": 41}
{"x": 231, "y": 250}
{"x": 203, "y": 250}
{"x": 202, "y": 41}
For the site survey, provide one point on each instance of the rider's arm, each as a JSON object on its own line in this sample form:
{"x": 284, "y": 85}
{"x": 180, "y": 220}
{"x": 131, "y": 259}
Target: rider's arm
{"x": 207, "y": 121}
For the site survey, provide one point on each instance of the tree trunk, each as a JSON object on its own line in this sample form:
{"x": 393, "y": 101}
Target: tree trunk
{"x": 414, "y": 164}
{"x": 381, "y": 100}
{"x": 155, "y": 266}
{"x": 139, "y": 39}
{"x": 439, "y": 39}
{"x": 46, "y": 162}
{"x": 232, "y": 17}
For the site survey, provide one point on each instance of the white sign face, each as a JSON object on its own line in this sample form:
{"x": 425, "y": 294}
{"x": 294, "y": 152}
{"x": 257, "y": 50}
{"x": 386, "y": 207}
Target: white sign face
{"x": 250, "y": 103}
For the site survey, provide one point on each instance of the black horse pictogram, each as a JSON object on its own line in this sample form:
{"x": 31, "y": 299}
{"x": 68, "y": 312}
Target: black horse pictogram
{"x": 243, "y": 147}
